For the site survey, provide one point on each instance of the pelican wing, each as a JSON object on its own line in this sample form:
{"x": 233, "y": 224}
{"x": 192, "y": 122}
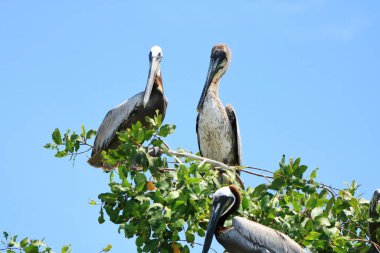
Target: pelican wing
{"x": 114, "y": 119}
{"x": 267, "y": 238}
{"x": 235, "y": 127}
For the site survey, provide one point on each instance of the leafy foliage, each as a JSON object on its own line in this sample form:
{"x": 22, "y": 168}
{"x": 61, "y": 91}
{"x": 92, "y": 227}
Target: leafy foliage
{"x": 70, "y": 143}
{"x": 12, "y": 245}
{"x": 311, "y": 213}
{"x": 165, "y": 207}
{"x": 151, "y": 201}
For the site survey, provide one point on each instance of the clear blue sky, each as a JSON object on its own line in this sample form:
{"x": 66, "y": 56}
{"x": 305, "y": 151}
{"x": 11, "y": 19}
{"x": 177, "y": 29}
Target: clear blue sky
{"x": 304, "y": 81}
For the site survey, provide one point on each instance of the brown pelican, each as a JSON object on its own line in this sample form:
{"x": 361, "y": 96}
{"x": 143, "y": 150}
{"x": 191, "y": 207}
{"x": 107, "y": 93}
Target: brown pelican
{"x": 373, "y": 226}
{"x": 245, "y": 236}
{"x": 131, "y": 110}
{"x": 217, "y": 126}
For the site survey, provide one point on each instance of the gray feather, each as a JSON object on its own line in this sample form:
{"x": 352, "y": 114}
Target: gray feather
{"x": 114, "y": 119}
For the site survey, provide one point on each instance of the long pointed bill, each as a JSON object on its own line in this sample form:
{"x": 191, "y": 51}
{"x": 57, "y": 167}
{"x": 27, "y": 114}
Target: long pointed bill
{"x": 210, "y": 75}
{"x": 215, "y": 215}
{"x": 154, "y": 67}
{"x": 220, "y": 206}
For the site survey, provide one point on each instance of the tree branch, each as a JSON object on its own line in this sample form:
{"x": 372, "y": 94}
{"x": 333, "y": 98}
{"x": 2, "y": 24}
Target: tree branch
{"x": 195, "y": 157}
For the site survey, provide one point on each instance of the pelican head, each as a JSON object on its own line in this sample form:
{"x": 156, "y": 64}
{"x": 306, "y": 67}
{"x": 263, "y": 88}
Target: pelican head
{"x": 155, "y": 57}
{"x": 375, "y": 201}
{"x": 219, "y": 61}
{"x": 225, "y": 201}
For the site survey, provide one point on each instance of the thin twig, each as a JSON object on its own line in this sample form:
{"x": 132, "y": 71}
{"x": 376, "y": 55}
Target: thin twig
{"x": 197, "y": 243}
{"x": 138, "y": 168}
{"x": 84, "y": 143}
{"x": 220, "y": 165}
{"x": 257, "y": 174}
{"x": 322, "y": 185}
{"x": 377, "y": 246}
{"x": 254, "y": 168}
{"x": 78, "y": 153}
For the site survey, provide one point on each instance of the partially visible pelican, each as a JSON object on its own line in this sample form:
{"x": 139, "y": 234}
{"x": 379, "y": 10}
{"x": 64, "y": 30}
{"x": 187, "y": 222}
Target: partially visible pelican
{"x": 217, "y": 126}
{"x": 131, "y": 110}
{"x": 245, "y": 236}
{"x": 373, "y": 226}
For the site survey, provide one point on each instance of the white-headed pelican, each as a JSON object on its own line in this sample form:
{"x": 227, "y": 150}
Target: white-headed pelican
{"x": 244, "y": 236}
{"x": 131, "y": 110}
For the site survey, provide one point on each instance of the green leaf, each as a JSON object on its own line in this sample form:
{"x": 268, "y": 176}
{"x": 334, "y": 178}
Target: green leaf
{"x": 178, "y": 203}
{"x": 158, "y": 118}
{"x": 140, "y": 180}
{"x": 190, "y": 237}
{"x": 101, "y": 216}
{"x": 245, "y": 203}
{"x": 31, "y": 249}
{"x": 278, "y": 183}
{"x": 323, "y": 221}
{"x": 313, "y": 235}
{"x": 159, "y": 205}
{"x": 156, "y": 142}
{"x": 173, "y": 195}
{"x": 91, "y": 133}
{"x": 66, "y": 249}
{"x": 61, "y": 153}
{"x": 193, "y": 180}
{"x": 316, "y": 212}
{"x": 313, "y": 174}
{"x": 139, "y": 241}
{"x": 56, "y": 136}
{"x": 142, "y": 198}
{"x": 259, "y": 190}
{"x": 129, "y": 229}
{"x": 300, "y": 170}
{"x": 50, "y": 146}
{"x": 165, "y": 130}
{"x": 83, "y": 132}
{"x": 92, "y": 202}
{"x": 139, "y": 136}
{"x": 108, "y": 197}
{"x": 24, "y": 242}
{"x": 162, "y": 185}
{"x": 108, "y": 248}
{"x": 179, "y": 223}
{"x": 265, "y": 202}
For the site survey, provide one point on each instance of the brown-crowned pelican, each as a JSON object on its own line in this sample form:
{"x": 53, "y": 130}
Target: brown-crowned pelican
{"x": 217, "y": 126}
{"x": 245, "y": 236}
{"x": 373, "y": 226}
{"x": 131, "y": 110}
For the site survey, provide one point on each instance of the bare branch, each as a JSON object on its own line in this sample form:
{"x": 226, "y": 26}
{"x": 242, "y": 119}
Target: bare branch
{"x": 195, "y": 157}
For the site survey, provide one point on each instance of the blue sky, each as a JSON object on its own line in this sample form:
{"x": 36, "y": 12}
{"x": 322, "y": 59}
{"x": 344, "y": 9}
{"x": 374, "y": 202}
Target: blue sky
{"x": 304, "y": 81}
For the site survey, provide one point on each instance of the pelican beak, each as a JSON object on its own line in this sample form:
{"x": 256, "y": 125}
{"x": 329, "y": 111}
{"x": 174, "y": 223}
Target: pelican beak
{"x": 220, "y": 207}
{"x": 215, "y": 65}
{"x": 153, "y": 70}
